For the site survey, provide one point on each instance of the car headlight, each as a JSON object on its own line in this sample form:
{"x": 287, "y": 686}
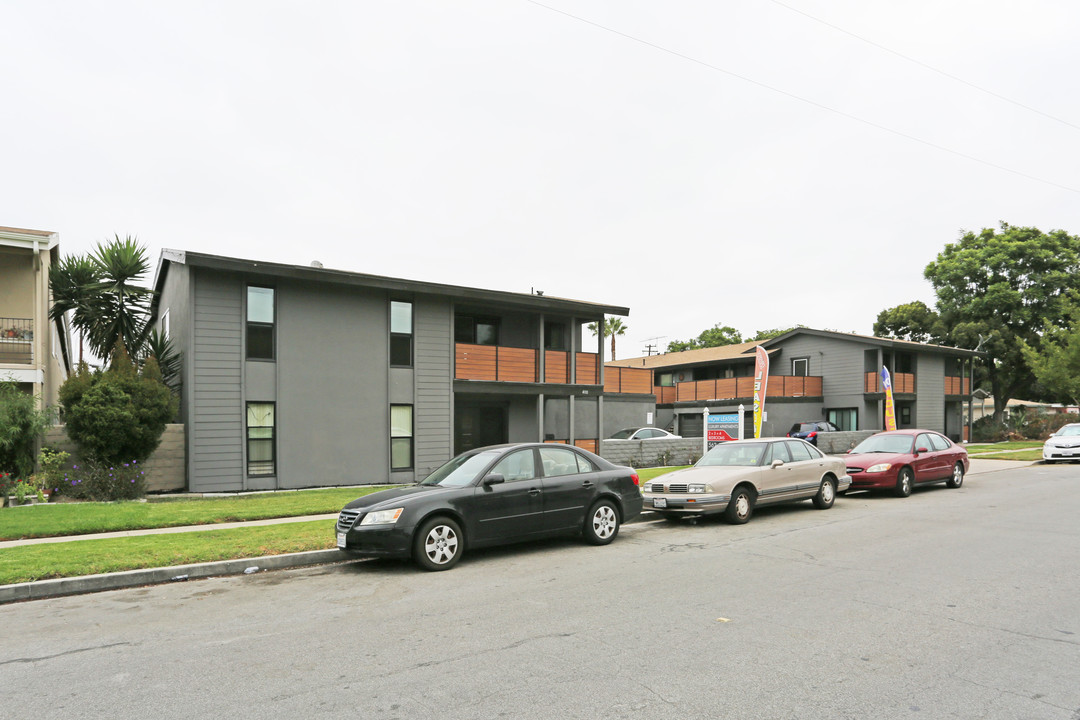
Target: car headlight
{"x": 881, "y": 467}
{"x": 646, "y": 488}
{"x": 382, "y": 517}
{"x": 695, "y": 488}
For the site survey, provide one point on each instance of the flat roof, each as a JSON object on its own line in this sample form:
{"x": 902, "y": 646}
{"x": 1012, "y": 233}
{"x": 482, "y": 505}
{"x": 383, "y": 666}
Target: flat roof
{"x": 343, "y": 277}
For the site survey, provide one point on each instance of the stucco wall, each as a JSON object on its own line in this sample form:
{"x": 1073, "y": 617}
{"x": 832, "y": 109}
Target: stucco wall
{"x": 164, "y": 469}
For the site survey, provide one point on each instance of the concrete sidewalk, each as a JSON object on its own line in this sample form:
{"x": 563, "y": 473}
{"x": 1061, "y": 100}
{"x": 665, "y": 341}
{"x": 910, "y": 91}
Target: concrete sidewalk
{"x": 178, "y": 573}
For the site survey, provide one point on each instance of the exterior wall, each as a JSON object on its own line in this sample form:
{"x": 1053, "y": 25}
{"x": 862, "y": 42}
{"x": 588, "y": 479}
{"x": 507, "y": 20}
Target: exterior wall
{"x": 433, "y": 412}
{"x": 215, "y": 392}
{"x": 332, "y": 371}
{"x": 523, "y": 424}
{"x": 17, "y": 288}
{"x": 176, "y": 300}
{"x": 840, "y": 365}
{"x": 930, "y": 392}
{"x": 164, "y": 468}
{"x": 650, "y": 453}
{"x": 624, "y": 412}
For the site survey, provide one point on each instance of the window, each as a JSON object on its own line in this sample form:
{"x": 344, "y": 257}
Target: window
{"x": 401, "y": 437}
{"x": 799, "y": 451}
{"x": 800, "y": 367}
{"x": 905, "y": 415}
{"x": 940, "y": 443}
{"x": 260, "y": 438}
{"x": 260, "y": 323}
{"x": 519, "y": 465}
{"x": 165, "y": 324}
{"x": 554, "y": 336}
{"x": 844, "y": 418}
{"x": 401, "y": 334}
{"x": 666, "y": 380}
{"x": 923, "y": 442}
{"x": 476, "y": 330}
{"x": 558, "y": 461}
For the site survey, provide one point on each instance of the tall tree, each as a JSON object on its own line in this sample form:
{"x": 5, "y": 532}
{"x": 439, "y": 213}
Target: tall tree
{"x": 1055, "y": 361}
{"x": 913, "y": 321}
{"x": 996, "y": 290}
{"x": 71, "y": 281}
{"x": 715, "y": 336}
{"x": 613, "y": 326}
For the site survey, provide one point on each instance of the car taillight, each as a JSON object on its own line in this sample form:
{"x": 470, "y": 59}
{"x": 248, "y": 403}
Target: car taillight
{"x": 811, "y": 435}
{"x": 635, "y": 478}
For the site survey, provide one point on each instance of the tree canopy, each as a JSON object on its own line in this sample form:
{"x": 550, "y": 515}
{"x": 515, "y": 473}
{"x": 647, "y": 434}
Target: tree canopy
{"x": 614, "y": 327}
{"x": 719, "y": 335}
{"x": 1055, "y": 361}
{"x": 997, "y": 290}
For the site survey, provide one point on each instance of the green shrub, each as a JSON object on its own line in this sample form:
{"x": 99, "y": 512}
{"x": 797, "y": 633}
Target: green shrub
{"x": 985, "y": 429}
{"x": 119, "y": 415}
{"x": 95, "y": 480}
{"x": 21, "y": 424}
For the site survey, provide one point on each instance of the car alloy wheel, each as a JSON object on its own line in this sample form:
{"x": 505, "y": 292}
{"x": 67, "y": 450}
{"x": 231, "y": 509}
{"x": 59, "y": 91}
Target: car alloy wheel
{"x": 957, "y": 478}
{"x": 602, "y": 524}
{"x": 438, "y": 544}
{"x": 826, "y": 495}
{"x": 904, "y": 482}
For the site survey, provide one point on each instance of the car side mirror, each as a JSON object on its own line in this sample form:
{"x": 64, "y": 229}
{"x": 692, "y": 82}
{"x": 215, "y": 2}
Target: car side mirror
{"x": 494, "y": 479}
{"x": 777, "y": 463}
{"x": 922, "y": 450}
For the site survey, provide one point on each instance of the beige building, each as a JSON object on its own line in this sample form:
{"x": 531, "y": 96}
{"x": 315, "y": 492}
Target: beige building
{"x": 33, "y": 350}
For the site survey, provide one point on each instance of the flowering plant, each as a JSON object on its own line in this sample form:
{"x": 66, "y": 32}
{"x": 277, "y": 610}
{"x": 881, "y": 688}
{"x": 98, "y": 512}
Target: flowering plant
{"x": 101, "y": 481}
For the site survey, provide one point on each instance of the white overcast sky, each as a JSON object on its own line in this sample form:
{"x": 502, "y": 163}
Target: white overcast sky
{"x": 700, "y": 162}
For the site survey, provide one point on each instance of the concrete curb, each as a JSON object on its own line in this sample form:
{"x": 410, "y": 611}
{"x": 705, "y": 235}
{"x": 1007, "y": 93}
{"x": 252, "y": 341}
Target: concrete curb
{"x": 153, "y": 576}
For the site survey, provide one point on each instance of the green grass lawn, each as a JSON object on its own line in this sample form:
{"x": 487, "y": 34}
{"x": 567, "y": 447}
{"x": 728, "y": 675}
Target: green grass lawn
{"x": 647, "y": 474}
{"x": 979, "y": 448}
{"x": 56, "y": 519}
{"x": 27, "y": 563}
{"x": 1023, "y": 455}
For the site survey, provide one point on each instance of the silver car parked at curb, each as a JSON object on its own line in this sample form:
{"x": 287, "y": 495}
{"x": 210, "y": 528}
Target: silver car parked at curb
{"x": 1063, "y": 445}
{"x": 735, "y": 477}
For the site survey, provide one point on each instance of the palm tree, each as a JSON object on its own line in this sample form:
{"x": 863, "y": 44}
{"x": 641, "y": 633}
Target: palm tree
{"x": 613, "y": 326}
{"x": 70, "y": 280}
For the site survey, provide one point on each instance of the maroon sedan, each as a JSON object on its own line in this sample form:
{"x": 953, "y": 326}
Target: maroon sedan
{"x": 898, "y": 460}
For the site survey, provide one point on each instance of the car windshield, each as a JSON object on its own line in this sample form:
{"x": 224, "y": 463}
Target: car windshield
{"x": 1070, "y": 430}
{"x": 462, "y": 470}
{"x": 884, "y": 444}
{"x": 738, "y": 454}
{"x": 623, "y": 434}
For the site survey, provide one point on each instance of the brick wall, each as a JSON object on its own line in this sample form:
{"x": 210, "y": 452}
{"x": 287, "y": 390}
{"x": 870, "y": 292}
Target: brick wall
{"x": 164, "y": 469}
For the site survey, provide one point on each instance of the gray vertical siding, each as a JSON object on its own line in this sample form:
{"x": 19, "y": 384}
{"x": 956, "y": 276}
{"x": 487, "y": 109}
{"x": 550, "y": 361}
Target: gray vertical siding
{"x": 215, "y": 460}
{"x": 433, "y": 368}
{"x": 840, "y": 365}
{"x": 930, "y": 392}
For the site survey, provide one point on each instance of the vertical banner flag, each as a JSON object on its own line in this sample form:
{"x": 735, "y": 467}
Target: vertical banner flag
{"x": 890, "y": 409}
{"x": 761, "y": 381}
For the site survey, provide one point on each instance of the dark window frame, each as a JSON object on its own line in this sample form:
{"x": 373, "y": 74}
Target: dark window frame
{"x": 411, "y": 437}
{"x": 398, "y": 340}
{"x": 248, "y": 440}
{"x": 250, "y": 324}
{"x": 470, "y": 335}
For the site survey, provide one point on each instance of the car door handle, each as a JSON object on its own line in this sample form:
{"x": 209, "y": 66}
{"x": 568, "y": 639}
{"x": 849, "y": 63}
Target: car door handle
{"x": 587, "y": 484}
{"x": 534, "y": 491}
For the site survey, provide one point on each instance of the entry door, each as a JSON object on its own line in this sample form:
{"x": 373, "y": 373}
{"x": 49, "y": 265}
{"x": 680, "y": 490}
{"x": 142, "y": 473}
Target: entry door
{"x": 478, "y": 425}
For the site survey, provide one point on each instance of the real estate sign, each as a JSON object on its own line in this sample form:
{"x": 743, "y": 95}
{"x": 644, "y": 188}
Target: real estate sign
{"x": 722, "y": 428}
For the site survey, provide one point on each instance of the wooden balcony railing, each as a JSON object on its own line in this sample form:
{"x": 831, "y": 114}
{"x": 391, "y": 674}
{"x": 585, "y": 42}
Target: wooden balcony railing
{"x": 732, "y": 388}
{"x": 957, "y": 386}
{"x": 16, "y": 341}
{"x": 628, "y": 380}
{"x": 499, "y": 363}
{"x": 901, "y": 383}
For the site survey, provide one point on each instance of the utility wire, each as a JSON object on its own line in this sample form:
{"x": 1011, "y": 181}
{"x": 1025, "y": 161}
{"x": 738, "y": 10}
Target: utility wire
{"x": 793, "y": 96}
{"x": 920, "y": 63}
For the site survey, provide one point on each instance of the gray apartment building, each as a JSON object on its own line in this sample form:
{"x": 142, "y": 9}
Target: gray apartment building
{"x": 297, "y": 376}
{"x": 815, "y": 375}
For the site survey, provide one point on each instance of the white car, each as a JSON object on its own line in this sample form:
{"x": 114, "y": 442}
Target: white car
{"x": 1063, "y": 445}
{"x": 644, "y": 433}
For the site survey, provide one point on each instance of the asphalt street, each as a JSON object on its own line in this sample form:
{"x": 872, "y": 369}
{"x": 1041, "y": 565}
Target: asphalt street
{"x": 948, "y": 604}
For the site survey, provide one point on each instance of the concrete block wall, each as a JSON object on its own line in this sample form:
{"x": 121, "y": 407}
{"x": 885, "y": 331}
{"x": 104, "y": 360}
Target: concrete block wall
{"x": 838, "y": 443}
{"x": 164, "y": 469}
{"x": 645, "y": 453}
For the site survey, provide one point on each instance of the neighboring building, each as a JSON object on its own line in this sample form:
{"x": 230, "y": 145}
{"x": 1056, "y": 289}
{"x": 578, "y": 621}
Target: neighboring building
{"x": 815, "y": 375}
{"x": 33, "y": 350}
{"x": 299, "y": 376}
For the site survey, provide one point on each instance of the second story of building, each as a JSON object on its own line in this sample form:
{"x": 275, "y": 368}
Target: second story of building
{"x": 33, "y": 349}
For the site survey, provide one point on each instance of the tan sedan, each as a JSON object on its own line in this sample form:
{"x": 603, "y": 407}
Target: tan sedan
{"x": 735, "y": 477}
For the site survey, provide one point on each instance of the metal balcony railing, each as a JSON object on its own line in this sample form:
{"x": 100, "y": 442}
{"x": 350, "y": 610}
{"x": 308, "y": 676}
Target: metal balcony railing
{"x": 16, "y": 341}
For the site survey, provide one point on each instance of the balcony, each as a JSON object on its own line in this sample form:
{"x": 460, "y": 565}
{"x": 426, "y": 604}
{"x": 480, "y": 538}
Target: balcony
{"x": 16, "y": 341}
{"x": 791, "y": 386}
{"x": 901, "y": 383}
{"x": 497, "y": 363}
{"x": 958, "y": 386}
{"x": 635, "y": 381}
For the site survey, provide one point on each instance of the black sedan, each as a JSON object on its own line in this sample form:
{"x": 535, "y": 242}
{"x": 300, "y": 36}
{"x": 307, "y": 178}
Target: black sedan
{"x": 493, "y": 496}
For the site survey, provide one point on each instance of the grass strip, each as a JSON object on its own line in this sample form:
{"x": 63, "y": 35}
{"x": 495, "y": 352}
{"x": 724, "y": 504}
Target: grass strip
{"x": 1023, "y": 455}
{"x": 59, "y": 519}
{"x": 647, "y": 474}
{"x": 996, "y": 447}
{"x": 27, "y": 563}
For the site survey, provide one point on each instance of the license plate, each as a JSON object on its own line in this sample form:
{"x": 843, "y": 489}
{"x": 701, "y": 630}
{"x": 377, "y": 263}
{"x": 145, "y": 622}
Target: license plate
{"x": 659, "y": 502}
{"x": 341, "y": 540}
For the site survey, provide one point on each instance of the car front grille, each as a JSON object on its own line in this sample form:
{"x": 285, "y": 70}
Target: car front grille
{"x": 347, "y": 519}
{"x": 852, "y": 470}
{"x": 676, "y": 488}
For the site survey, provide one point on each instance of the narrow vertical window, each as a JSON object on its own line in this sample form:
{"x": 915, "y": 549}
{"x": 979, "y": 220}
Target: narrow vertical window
{"x": 260, "y": 323}
{"x": 401, "y": 437}
{"x": 260, "y": 438}
{"x": 401, "y": 334}
{"x": 800, "y": 367}
{"x": 165, "y": 324}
